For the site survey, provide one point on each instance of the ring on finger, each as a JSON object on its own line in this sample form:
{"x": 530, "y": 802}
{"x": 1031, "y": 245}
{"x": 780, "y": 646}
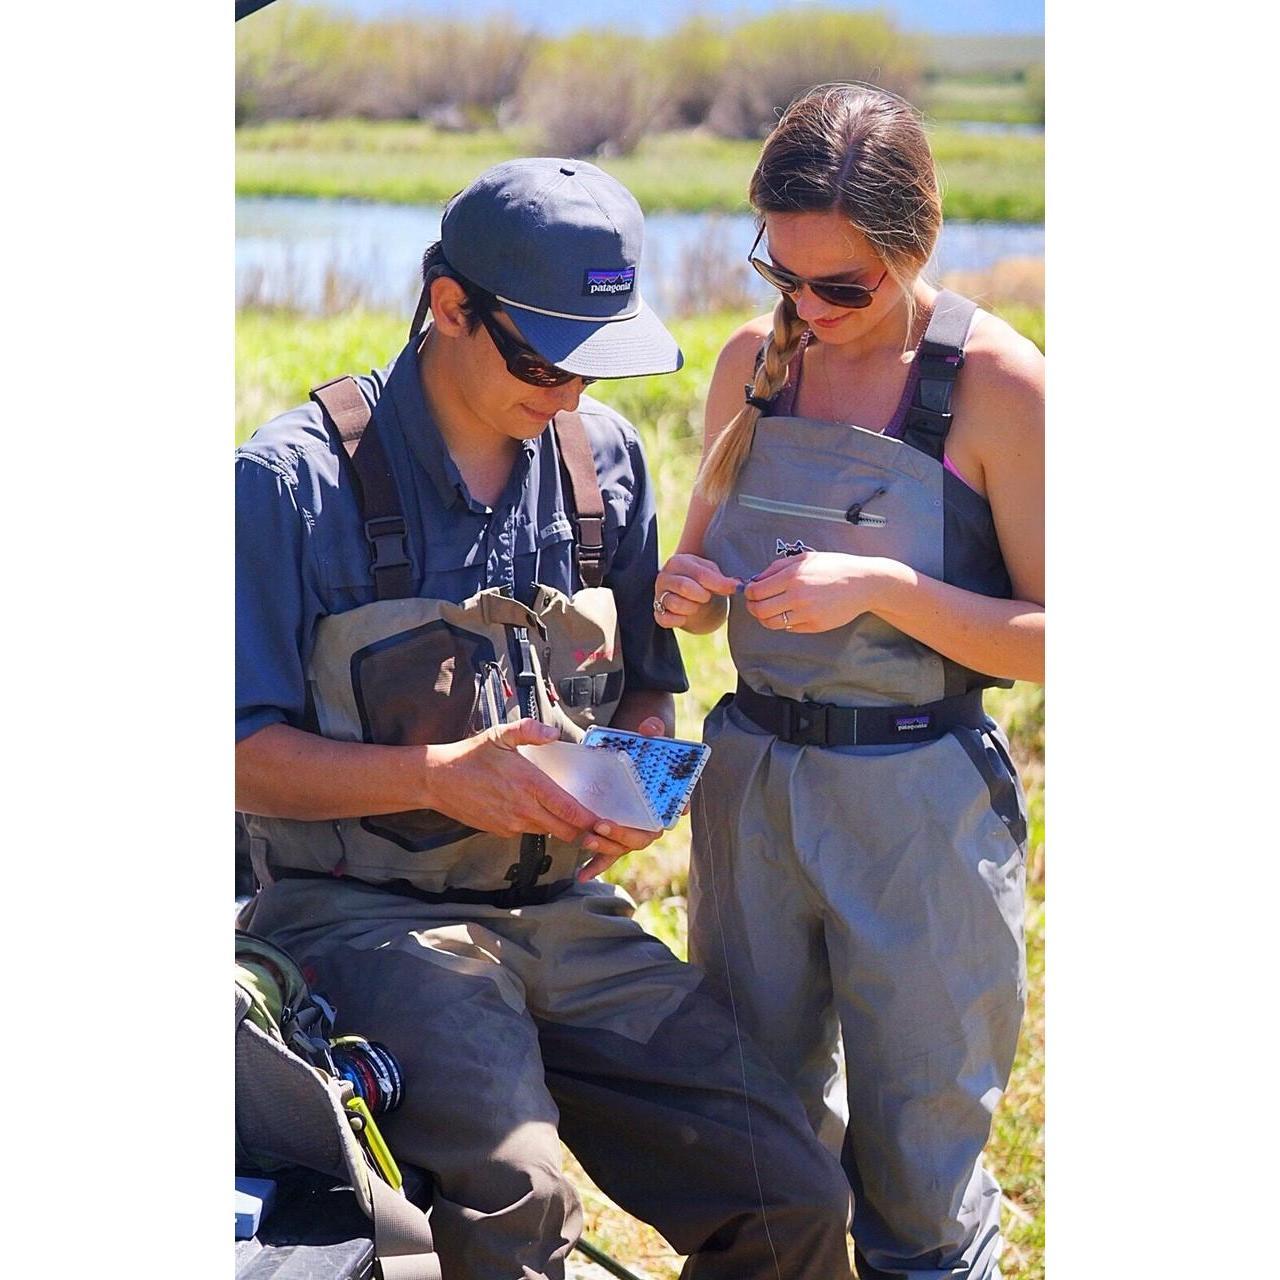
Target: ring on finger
{"x": 660, "y": 604}
{"x": 786, "y": 620}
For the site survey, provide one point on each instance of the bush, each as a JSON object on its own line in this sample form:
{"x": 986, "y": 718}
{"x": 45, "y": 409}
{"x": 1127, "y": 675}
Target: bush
{"x": 1035, "y": 90}
{"x": 692, "y": 61}
{"x": 774, "y": 59}
{"x": 456, "y": 73}
{"x": 294, "y": 61}
{"x": 591, "y": 93}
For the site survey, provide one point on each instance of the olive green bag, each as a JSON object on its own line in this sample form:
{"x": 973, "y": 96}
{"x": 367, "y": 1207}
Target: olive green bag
{"x": 293, "y": 1109}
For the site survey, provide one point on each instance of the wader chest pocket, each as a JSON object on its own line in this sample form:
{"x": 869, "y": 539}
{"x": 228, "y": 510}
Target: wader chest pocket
{"x": 416, "y": 687}
{"x": 421, "y": 685}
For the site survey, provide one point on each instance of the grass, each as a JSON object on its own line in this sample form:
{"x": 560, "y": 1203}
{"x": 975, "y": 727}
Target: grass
{"x": 997, "y": 178}
{"x": 280, "y": 355}
{"x": 974, "y": 98}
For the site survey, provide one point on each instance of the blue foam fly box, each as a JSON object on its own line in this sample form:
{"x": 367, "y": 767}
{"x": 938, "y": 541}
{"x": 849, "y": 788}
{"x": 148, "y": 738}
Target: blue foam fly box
{"x": 254, "y": 1198}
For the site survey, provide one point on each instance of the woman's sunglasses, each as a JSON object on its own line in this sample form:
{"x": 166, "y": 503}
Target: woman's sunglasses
{"x": 853, "y": 296}
{"x": 522, "y": 361}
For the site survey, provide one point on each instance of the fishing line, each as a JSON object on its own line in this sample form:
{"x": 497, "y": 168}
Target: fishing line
{"x": 737, "y": 1031}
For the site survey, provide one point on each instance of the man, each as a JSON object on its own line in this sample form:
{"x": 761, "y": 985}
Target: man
{"x": 467, "y": 582}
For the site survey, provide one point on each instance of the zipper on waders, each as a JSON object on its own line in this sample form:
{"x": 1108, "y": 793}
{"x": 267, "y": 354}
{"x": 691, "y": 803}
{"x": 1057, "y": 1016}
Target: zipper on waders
{"x": 534, "y": 859}
{"x": 851, "y": 515}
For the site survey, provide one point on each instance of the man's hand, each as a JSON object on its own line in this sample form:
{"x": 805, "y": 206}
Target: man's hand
{"x": 484, "y": 782}
{"x": 609, "y": 842}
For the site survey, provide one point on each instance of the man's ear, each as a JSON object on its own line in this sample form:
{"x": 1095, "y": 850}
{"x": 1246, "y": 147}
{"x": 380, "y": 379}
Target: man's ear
{"x": 448, "y": 307}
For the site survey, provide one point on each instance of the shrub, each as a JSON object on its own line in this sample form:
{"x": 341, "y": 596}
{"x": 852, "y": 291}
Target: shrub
{"x": 1035, "y": 90}
{"x": 692, "y": 62}
{"x": 294, "y": 61}
{"x": 713, "y": 274}
{"x": 774, "y": 59}
{"x": 425, "y": 67}
{"x": 591, "y": 93}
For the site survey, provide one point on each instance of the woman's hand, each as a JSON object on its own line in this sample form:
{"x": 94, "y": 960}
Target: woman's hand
{"x": 689, "y": 592}
{"x": 818, "y": 590}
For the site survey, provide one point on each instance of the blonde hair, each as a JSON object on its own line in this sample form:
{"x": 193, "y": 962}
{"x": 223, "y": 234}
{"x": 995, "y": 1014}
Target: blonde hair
{"x": 851, "y": 149}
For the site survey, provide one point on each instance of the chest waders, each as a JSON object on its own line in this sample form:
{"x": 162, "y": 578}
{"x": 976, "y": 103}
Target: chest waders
{"x": 859, "y": 830}
{"x": 406, "y": 670}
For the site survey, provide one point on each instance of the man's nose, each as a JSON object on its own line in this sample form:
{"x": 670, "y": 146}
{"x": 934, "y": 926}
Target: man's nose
{"x": 568, "y": 394}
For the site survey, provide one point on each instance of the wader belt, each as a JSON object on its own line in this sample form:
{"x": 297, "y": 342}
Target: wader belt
{"x": 533, "y": 896}
{"x": 938, "y": 360}
{"x": 347, "y": 416}
{"x": 823, "y": 724}
{"x": 347, "y": 413}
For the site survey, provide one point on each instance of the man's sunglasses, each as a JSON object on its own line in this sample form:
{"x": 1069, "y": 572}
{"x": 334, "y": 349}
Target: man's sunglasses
{"x": 522, "y": 361}
{"x": 853, "y": 296}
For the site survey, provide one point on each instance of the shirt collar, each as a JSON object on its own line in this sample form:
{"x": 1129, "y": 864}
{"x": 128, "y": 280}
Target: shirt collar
{"x": 418, "y": 426}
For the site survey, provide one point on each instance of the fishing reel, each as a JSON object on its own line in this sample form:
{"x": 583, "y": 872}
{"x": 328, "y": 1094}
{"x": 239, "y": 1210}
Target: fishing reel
{"x": 371, "y": 1069}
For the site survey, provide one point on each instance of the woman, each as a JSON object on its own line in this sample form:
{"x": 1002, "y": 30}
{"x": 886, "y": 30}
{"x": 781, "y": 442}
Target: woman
{"x": 872, "y": 515}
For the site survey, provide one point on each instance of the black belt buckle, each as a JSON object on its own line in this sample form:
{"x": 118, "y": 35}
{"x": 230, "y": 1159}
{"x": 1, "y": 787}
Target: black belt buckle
{"x": 807, "y": 724}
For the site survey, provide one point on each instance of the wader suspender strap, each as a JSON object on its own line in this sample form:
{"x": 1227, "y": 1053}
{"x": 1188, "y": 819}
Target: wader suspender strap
{"x": 585, "y": 502}
{"x": 379, "y": 499}
{"x": 939, "y": 360}
{"x": 420, "y": 312}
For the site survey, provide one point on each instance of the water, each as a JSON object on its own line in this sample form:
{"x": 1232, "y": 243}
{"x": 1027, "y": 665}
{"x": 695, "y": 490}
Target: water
{"x": 288, "y": 248}
{"x": 1017, "y": 129}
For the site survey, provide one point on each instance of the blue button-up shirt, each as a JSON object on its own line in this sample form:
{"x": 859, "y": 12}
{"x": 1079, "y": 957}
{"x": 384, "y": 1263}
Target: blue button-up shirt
{"x": 301, "y": 551}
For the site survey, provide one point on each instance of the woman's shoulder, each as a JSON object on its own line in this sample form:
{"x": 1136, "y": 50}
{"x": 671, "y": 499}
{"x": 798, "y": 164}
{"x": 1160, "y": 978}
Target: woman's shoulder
{"x": 743, "y": 345}
{"x": 1001, "y": 389}
{"x": 1000, "y": 359}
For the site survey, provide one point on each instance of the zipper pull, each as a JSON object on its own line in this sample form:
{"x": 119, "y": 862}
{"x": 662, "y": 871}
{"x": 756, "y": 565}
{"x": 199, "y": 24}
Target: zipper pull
{"x": 855, "y": 512}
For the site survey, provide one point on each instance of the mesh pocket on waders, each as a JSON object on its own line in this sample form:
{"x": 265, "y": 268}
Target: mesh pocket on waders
{"x": 420, "y": 686}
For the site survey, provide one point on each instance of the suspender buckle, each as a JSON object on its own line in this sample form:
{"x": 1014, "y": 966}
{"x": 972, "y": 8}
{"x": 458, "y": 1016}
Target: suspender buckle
{"x": 386, "y": 535}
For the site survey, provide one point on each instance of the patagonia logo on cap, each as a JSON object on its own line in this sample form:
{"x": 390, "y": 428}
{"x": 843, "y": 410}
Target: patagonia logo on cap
{"x": 905, "y": 724}
{"x": 596, "y": 282}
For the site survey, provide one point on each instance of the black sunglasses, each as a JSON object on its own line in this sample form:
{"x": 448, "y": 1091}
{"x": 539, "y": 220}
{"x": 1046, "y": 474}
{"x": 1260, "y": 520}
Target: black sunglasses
{"x": 523, "y": 361}
{"x": 853, "y": 296}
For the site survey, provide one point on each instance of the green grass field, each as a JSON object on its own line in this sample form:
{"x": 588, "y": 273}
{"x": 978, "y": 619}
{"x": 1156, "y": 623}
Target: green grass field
{"x": 279, "y": 356}
{"x": 996, "y": 178}
{"x": 978, "y": 98}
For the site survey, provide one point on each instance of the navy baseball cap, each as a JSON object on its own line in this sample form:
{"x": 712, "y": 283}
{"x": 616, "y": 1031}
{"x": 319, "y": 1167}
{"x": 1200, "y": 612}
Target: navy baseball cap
{"x": 558, "y": 243}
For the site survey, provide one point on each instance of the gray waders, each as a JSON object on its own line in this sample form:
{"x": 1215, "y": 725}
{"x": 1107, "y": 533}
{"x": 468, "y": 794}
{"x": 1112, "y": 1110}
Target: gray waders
{"x": 521, "y": 1006}
{"x": 859, "y": 832}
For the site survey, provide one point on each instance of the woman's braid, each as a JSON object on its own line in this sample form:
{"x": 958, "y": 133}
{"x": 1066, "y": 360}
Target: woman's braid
{"x": 726, "y": 457}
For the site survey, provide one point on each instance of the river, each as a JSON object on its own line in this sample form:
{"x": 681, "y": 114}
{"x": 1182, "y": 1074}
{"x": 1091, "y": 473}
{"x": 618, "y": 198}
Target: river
{"x": 300, "y": 252}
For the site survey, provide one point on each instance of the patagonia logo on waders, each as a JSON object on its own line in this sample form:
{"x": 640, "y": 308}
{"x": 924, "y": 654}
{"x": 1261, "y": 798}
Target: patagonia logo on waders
{"x": 796, "y": 548}
{"x": 597, "y": 282}
{"x": 906, "y": 724}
